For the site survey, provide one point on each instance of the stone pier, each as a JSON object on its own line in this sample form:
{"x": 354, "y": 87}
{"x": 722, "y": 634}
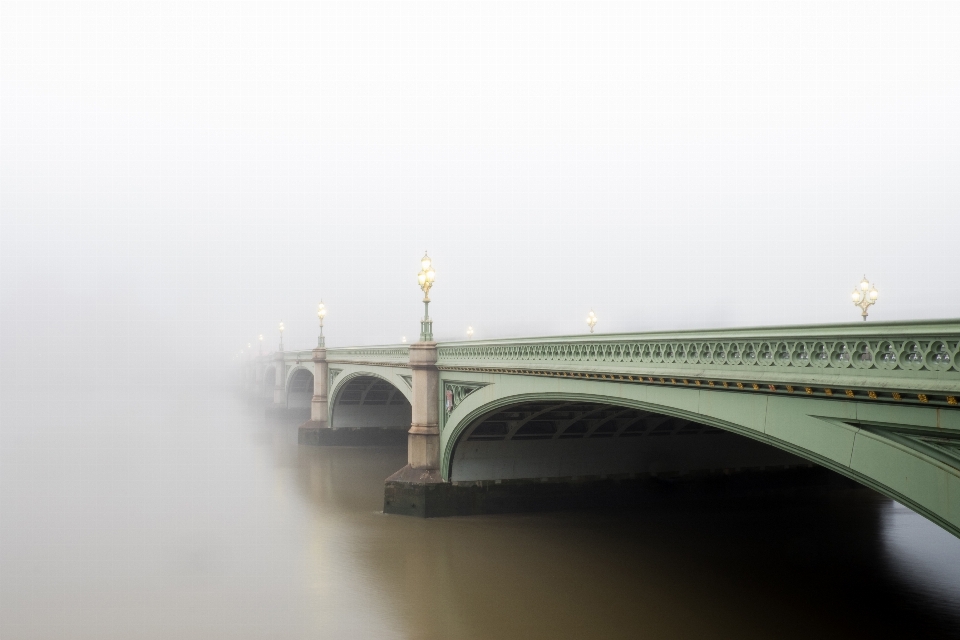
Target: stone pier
{"x": 313, "y": 430}
{"x": 409, "y": 490}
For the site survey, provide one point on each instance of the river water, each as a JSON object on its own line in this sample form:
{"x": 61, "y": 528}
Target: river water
{"x": 161, "y": 513}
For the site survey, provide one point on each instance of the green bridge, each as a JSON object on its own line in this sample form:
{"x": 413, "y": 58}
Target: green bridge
{"x": 874, "y": 402}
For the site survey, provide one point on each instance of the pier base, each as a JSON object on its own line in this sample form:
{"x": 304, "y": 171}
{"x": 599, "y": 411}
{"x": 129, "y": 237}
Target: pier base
{"x": 422, "y": 493}
{"x": 314, "y": 433}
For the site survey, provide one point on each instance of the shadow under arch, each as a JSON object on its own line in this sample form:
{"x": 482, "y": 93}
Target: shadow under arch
{"x": 364, "y": 399}
{"x": 558, "y": 436}
{"x": 466, "y": 424}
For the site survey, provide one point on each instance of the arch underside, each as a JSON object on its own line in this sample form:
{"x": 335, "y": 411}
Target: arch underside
{"x": 907, "y": 455}
{"x": 300, "y": 389}
{"x": 366, "y": 400}
{"x": 556, "y": 439}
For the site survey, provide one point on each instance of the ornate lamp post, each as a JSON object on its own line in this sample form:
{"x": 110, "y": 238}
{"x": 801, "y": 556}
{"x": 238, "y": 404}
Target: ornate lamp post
{"x": 321, "y": 313}
{"x": 403, "y": 339}
{"x": 281, "y": 335}
{"x": 425, "y": 279}
{"x": 864, "y": 295}
{"x": 423, "y": 439}
{"x": 469, "y": 333}
{"x": 591, "y": 320}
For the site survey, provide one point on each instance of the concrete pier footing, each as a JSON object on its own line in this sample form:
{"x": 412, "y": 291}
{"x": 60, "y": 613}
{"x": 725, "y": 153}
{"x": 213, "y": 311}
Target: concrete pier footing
{"x": 422, "y": 493}
{"x": 317, "y": 433}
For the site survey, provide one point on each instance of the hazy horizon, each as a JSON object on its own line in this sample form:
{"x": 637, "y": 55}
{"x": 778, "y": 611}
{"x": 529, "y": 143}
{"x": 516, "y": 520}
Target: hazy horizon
{"x": 177, "y": 179}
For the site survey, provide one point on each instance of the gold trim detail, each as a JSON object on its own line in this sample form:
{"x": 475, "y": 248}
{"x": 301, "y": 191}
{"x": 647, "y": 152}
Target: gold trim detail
{"x": 922, "y": 397}
{"x": 872, "y": 394}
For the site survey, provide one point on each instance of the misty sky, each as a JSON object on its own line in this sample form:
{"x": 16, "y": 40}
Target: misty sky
{"x": 178, "y": 177}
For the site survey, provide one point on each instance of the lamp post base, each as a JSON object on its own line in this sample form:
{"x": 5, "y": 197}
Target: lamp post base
{"x": 426, "y": 330}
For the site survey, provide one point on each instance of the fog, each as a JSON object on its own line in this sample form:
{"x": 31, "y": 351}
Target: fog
{"x": 178, "y": 178}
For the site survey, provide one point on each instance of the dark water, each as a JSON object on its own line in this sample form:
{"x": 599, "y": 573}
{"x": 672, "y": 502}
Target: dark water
{"x": 189, "y": 516}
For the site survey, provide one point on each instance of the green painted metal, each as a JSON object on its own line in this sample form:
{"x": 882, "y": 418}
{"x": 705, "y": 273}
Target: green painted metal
{"x": 876, "y": 402}
{"x": 426, "y": 325}
{"x": 908, "y": 356}
{"x": 878, "y": 446}
{"x": 343, "y": 373}
{"x": 395, "y": 355}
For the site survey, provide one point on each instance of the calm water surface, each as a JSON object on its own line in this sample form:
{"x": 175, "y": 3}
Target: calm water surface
{"x": 189, "y": 516}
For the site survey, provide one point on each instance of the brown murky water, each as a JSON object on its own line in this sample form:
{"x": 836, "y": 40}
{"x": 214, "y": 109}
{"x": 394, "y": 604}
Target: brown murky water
{"x": 192, "y": 517}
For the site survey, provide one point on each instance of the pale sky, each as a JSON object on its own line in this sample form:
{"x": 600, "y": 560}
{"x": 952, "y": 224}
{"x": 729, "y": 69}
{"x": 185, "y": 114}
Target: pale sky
{"x": 179, "y": 177}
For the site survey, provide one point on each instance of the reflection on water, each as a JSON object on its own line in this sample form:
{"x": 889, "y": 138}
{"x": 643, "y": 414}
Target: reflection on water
{"x": 925, "y": 557}
{"x": 202, "y": 520}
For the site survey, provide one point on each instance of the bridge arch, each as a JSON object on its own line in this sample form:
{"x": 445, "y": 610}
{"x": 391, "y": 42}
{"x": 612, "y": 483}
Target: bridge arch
{"x": 299, "y": 386}
{"x": 364, "y": 398}
{"x": 844, "y": 436}
{"x": 561, "y": 436}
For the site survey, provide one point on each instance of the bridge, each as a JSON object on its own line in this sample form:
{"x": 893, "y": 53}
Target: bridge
{"x": 877, "y": 403}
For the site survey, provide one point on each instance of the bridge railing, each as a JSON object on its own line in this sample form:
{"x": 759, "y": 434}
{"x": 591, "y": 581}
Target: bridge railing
{"x": 905, "y": 355}
{"x": 300, "y": 356}
{"x": 391, "y": 355}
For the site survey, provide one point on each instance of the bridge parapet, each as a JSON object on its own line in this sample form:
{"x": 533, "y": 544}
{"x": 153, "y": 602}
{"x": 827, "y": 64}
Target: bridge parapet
{"x": 902, "y": 362}
{"x": 299, "y": 356}
{"x": 391, "y": 356}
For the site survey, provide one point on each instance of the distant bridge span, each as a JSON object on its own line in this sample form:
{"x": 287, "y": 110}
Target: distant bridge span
{"x": 875, "y": 402}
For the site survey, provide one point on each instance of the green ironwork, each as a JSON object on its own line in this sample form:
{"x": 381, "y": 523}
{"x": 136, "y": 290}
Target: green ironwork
{"x": 426, "y": 325}
{"x": 384, "y": 355}
{"x": 332, "y": 375}
{"x": 910, "y": 357}
{"x": 454, "y": 393}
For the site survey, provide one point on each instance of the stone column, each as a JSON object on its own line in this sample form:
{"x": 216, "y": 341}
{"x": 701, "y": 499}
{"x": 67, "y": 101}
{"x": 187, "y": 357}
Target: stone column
{"x": 318, "y": 405}
{"x": 279, "y": 392}
{"x": 423, "y": 441}
{"x": 418, "y": 489}
{"x": 316, "y": 429}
